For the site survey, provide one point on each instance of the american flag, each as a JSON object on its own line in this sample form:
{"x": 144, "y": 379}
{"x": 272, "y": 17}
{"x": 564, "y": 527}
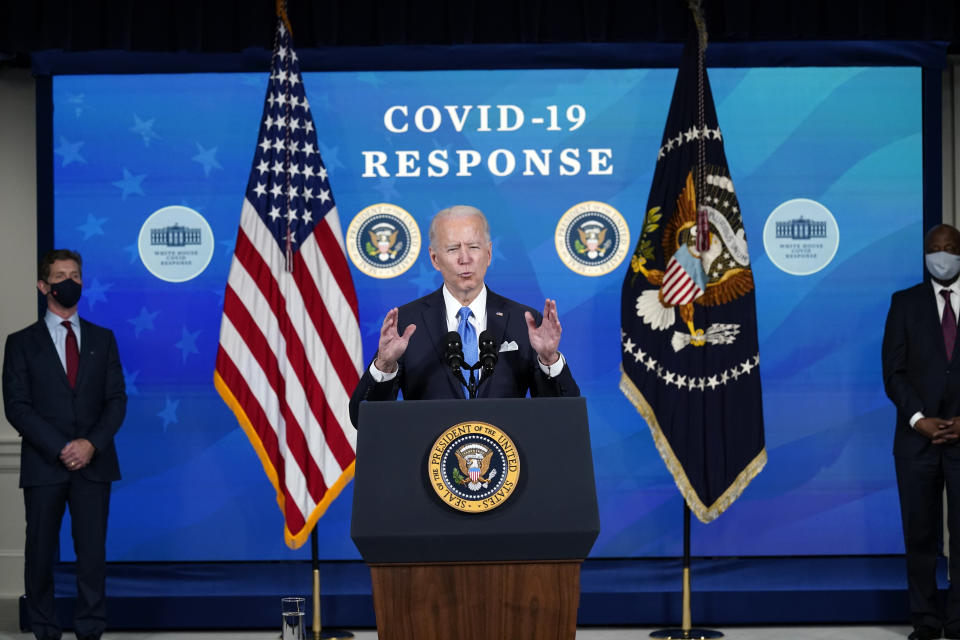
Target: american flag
{"x": 290, "y": 349}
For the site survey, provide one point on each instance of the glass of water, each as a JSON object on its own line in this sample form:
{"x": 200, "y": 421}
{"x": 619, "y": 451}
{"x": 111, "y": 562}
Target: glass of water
{"x": 293, "y": 610}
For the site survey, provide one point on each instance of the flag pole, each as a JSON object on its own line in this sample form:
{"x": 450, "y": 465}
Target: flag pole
{"x": 685, "y": 619}
{"x": 318, "y": 632}
{"x": 314, "y": 557}
{"x": 282, "y": 14}
{"x": 686, "y": 632}
{"x": 269, "y": 225}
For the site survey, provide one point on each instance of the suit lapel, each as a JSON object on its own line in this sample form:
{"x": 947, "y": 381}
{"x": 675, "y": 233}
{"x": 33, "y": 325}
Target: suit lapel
{"x": 87, "y": 350}
{"x": 497, "y": 318}
{"x": 48, "y": 351}
{"x": 433, "y": 316}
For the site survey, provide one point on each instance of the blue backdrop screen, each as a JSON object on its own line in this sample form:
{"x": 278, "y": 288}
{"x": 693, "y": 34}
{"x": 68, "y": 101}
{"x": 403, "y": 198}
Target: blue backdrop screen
{"x": 842, "y": 140}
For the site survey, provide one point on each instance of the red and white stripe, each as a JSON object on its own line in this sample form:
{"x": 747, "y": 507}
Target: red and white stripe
{"x": 678, "y": 287}
{"x": 289, "y": 358}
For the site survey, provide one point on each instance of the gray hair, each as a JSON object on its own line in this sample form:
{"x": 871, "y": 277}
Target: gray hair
{"x": 459, "y": 211}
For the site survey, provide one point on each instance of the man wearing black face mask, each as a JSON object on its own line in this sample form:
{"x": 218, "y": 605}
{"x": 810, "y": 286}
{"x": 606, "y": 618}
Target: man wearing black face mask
{"x": 921, "y": 375}
{"x": 63, "y": 391}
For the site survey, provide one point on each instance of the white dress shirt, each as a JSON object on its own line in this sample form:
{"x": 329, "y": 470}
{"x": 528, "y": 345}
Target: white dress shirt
{"x": 941, "y": 303}
{"x": 59, "y": 333}
{"x": 479, "y": 321}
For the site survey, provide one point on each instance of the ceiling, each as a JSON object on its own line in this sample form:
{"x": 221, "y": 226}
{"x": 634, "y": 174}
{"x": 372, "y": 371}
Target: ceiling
{"x": 232, "y": 26}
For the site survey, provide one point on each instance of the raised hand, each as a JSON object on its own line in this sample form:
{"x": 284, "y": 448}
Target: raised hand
{"x": 545, "y": 339}
{"x": 392, "y": 344}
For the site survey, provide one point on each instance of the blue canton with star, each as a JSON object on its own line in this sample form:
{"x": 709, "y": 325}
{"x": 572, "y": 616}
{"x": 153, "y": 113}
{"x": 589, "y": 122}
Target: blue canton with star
{"x": 288, "y": 185}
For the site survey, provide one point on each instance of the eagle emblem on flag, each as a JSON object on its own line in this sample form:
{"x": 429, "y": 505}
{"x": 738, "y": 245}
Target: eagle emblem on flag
{"x": 716, "y": 275}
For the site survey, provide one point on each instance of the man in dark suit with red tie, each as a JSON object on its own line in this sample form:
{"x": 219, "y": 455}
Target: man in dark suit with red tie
{"x": 921, "y": 374}
{"x": 409, "y": 357}
{"x": 63, "y": 391}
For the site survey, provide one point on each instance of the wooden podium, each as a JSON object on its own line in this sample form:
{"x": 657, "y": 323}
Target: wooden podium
{"x": 511, "y": 572}
{"x": 535, "y": 600}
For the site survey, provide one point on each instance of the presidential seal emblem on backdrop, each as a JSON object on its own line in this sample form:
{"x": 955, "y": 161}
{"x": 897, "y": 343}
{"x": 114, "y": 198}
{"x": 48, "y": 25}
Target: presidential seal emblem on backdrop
{"x": 383, "y": 240}
{"x": 473, "y": 467}
{"x": 592, "y": 238}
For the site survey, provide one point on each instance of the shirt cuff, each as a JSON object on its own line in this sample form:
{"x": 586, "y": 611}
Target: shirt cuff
{"x": 916, "y": 418}
{"x": 554, "y": 369}
{"x": 380, "y": 376}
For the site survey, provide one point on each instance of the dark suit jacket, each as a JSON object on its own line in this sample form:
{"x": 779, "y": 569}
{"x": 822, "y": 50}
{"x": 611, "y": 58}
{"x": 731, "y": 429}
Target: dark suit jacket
{"x": 916, "y": 373}
{"x": 41, "y": 406}
{"x": 424, "y": 376}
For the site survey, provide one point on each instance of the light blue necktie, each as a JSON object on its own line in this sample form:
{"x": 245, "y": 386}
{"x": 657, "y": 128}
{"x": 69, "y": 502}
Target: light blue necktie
{"x": 468, "y": 335}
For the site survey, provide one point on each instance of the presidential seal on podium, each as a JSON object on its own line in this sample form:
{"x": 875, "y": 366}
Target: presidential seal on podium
{"x": 473, "y": 467}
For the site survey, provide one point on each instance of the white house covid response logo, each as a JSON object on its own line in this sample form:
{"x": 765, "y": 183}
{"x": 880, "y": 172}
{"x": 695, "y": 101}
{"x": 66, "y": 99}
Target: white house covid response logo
{"x": 592, "y": 238}
{"x": 383, "y": 241}
{"x": 175, "y": 243}
{"x": 801, "y": 237}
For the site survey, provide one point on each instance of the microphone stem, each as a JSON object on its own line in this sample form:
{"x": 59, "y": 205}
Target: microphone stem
{"x": 472, "y": 385}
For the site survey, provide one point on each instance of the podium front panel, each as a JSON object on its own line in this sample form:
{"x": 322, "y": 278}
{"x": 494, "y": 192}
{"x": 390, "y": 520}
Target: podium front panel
{"x": 550, "y": 515}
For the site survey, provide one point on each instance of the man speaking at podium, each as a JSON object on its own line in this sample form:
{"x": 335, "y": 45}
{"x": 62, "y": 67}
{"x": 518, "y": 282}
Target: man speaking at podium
{"x": 415, "y": 339}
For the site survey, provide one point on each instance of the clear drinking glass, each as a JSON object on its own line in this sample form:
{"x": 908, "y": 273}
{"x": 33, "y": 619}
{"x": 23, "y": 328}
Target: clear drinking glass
{"x": 293, "y": 610}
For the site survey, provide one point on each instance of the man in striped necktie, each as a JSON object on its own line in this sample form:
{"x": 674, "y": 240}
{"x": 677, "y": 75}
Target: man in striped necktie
{"x": 408, "y": 357}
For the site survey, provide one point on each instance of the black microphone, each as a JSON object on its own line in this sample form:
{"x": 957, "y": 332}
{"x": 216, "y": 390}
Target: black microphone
{"x": 453, "y": 351}
{"x": 489, "y": 352}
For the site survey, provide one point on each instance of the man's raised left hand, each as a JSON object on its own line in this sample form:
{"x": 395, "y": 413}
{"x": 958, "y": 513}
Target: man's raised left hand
{"x": 545, "y": 339}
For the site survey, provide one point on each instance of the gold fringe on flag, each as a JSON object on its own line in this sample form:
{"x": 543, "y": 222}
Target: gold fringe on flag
{"x": 703, "y": 512}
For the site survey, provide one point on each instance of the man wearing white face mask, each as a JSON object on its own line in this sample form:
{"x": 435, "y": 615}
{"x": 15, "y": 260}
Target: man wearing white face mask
{"x": 921, "y": 375}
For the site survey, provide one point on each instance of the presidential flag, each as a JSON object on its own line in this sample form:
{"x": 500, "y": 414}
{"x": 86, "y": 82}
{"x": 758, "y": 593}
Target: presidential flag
{"x": 290, "y": 351}
{"x": 688, "y": 316}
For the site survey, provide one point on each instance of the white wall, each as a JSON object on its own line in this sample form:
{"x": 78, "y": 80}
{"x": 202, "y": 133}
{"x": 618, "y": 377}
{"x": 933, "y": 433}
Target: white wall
{"x": 951, "y": 142}
{"x": 18, "y": 266}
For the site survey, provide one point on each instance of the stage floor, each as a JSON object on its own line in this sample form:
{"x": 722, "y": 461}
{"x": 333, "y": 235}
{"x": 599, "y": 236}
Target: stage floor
{"x": 631, "y": 592}
{"x": 589, "y": 633}
{"x": 8, "y": 631}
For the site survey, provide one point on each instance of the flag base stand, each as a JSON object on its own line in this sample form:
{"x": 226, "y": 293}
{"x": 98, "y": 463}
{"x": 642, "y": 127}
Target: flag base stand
{"x": 319, "y": 633}
{"x": 686, "y": 632}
